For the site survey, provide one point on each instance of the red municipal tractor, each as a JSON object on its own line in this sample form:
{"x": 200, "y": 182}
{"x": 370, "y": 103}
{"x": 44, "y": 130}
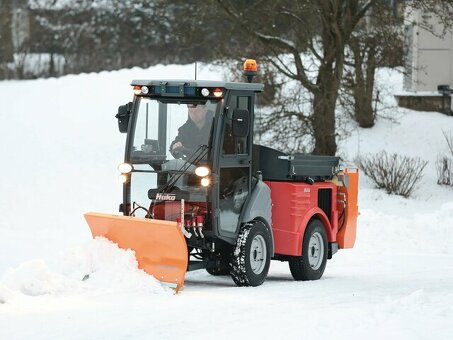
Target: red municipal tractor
{"x": 215, "y": 200}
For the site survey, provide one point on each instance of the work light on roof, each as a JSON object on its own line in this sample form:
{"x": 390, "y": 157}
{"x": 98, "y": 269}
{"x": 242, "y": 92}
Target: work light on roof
{"x": 144, "y": 89}
{"x": 137, "y": 89}
{"x": 205, "y": 92}
{"x": 218, "y": 92}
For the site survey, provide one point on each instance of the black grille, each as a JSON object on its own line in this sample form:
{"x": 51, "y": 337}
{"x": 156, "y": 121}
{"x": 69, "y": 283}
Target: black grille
{"x": 325, "y": 201}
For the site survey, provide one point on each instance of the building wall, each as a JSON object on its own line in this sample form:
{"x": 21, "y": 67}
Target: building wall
{"x": 429, "y": 58}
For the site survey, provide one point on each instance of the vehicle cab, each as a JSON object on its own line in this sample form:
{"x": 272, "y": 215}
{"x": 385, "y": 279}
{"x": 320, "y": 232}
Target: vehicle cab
{"x": 213, "y": 176}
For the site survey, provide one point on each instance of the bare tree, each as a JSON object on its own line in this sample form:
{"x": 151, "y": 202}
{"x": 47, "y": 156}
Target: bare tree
{"x": 104, "y": 35}
{"x": 319, "y": 27}
{"x": 6, "y": 40}
{"x": 376, "y": 42}
{"x": 285, "y": 32}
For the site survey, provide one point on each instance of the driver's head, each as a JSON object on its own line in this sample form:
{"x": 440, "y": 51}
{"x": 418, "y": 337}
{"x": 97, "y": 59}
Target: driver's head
{"x": 197, "y": 113}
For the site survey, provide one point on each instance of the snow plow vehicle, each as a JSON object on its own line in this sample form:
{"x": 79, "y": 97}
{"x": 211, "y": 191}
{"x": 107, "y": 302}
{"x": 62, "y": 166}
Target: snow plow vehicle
{"x": 223, "y": 203}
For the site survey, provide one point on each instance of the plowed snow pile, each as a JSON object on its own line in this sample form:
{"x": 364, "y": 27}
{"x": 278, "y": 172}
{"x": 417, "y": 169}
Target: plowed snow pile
{"x": 97, "y": 267}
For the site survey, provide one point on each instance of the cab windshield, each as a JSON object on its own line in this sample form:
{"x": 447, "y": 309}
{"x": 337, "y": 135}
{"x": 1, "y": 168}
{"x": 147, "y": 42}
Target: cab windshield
{"x": 165, "y": 131}
{"x": 169, "y": 140}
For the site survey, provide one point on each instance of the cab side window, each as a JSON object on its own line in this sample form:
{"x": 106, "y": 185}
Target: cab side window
{"x": 235, "y": 145}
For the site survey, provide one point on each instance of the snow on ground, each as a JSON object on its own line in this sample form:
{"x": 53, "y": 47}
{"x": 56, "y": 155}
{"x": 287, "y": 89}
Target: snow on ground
{"x": 60, "y": 148}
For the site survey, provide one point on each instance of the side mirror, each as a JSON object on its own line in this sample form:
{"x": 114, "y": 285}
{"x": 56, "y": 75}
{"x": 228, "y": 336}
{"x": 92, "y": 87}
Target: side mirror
{"x": 241, "y": 123}
{"x": 124, "y": 112}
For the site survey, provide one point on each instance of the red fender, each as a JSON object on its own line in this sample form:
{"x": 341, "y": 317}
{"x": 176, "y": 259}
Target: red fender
{"x": 314, "y": 213}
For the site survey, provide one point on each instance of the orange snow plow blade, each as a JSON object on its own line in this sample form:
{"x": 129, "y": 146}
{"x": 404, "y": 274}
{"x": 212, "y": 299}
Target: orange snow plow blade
{"x": 160, "y": 246}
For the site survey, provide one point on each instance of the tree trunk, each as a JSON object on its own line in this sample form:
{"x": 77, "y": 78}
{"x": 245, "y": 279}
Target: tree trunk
{"x": 6, "y": 39}
{"x": 324, "y": 103}
{"x": 338, "y": 20}
{"x": 323, "y": 126}
{"x": 364, "y": 114}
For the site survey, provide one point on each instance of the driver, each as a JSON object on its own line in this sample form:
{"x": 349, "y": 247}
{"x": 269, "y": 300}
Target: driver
{"x": 193, "y": 133}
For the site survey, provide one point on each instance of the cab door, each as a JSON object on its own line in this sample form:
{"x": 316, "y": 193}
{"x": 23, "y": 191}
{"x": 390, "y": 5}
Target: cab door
{"x": 234, "y": 167}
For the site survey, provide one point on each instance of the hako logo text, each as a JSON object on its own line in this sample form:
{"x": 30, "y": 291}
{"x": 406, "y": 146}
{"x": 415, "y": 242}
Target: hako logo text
{"x": 165, "y": 197}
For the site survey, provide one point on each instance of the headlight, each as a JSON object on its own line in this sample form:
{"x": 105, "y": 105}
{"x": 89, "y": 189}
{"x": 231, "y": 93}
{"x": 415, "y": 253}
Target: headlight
{"x": 202, "y": 171}
{"x": 125, "y": 168}
{"x": 205, "y": 181}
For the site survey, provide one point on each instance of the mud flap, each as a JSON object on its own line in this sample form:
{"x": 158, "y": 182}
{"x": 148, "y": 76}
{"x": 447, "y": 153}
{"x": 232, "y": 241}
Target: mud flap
{"x": 160, "y": 247}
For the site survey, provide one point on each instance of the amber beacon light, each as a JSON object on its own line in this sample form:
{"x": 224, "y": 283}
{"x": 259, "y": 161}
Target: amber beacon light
{"x": 250, "y": 68}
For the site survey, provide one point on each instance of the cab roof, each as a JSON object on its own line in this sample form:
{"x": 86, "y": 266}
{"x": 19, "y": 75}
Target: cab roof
{"x": 256, "y": 87}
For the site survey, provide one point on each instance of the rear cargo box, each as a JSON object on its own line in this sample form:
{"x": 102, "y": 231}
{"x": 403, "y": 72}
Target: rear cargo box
{"x": 278, "y": 166}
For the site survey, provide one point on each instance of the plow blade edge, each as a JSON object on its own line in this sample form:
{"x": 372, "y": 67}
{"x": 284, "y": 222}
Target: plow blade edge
{"x": 160, "y": 246}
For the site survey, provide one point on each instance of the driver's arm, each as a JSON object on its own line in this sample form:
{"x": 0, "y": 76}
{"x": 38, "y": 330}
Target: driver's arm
{"x": 177, "y": 145}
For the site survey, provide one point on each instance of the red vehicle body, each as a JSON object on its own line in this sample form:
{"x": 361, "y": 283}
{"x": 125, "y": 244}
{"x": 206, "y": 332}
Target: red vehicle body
{"x": 294, "y": 204}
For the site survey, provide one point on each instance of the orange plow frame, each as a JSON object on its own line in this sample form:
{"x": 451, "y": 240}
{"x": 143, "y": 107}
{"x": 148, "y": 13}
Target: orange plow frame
{"x": 347, "y": 235}
{"x": 160, "y": 246}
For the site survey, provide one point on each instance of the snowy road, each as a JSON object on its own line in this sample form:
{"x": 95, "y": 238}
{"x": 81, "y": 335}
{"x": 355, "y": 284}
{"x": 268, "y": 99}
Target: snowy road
{"x": 62, "y": 148}
{"x": 399, "y": 296}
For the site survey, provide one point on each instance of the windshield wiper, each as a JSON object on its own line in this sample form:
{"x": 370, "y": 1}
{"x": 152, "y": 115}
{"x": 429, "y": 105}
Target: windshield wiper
{"x": 193, "y": 159}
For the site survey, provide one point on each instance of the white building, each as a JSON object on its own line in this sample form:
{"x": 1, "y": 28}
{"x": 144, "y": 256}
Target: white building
{"x": 429, "y": 60}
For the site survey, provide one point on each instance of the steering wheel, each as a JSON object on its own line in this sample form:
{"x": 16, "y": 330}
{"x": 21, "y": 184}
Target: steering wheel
{"x": 182, "y": 152}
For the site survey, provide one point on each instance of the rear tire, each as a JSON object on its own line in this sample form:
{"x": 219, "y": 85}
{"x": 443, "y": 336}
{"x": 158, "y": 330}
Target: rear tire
{"x": 311, "y": 264}
{"x": 251, "y": 257}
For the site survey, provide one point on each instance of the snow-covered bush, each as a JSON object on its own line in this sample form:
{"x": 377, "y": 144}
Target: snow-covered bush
{"x": 395, "y": 173}
{"x": 444, "y": 171}
{"x": 444, "y": 163}
{"x": 449, "y": 141}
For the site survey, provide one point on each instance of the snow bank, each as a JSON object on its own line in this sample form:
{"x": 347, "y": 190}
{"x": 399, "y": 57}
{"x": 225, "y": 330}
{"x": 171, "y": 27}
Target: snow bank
{"x": 102, "y": 265}
{"x": 97, "y": 266}
{"x": 427, "y": 232}
{"x": 407, "y": 132}
{"x": 34, "y": 278}
{"x": 6, "y": 294}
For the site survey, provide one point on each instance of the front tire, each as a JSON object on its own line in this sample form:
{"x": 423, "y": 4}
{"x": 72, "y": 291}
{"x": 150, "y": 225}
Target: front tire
{"x": 251, "y": 257}
{"x": 311, "y": 264}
